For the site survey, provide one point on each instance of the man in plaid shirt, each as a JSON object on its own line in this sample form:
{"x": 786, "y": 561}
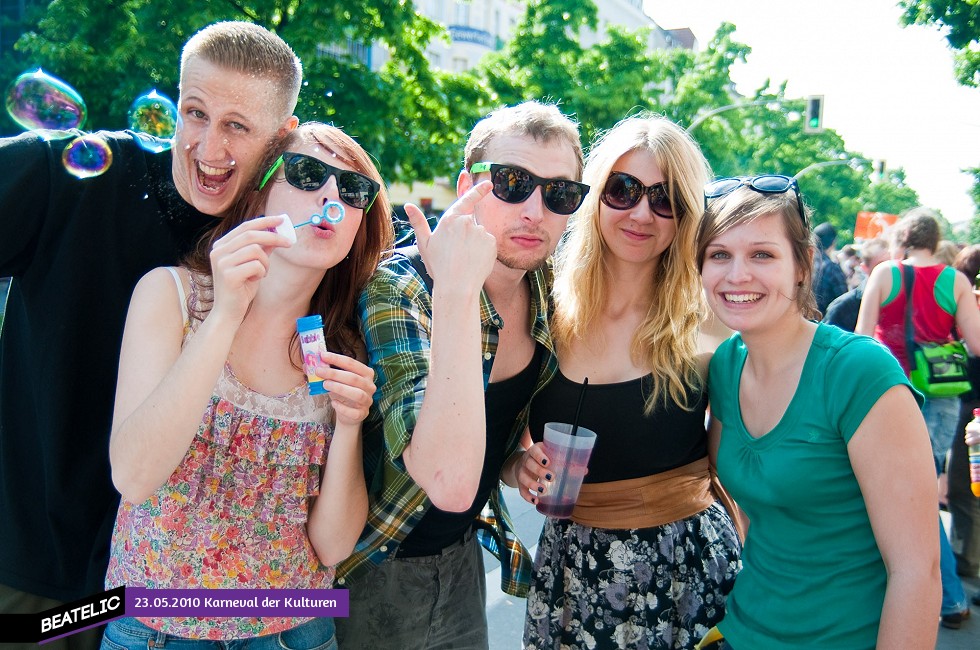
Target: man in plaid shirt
{"x": 476, "y": 348}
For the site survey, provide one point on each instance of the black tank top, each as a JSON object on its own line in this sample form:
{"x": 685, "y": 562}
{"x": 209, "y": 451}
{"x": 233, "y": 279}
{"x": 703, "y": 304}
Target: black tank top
{"x": 629, "y": 444}
{"x": 504, "y": 401}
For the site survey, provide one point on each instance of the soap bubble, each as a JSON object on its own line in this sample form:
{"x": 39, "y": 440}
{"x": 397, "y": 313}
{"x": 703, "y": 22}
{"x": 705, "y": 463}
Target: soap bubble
{"x": 36, "y": 100}
{"x": 154, "y": 114}
{"x": 87, "y": 156}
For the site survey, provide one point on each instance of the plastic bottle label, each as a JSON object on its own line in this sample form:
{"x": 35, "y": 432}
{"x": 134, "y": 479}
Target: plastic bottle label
{"x": 312, "y": 345}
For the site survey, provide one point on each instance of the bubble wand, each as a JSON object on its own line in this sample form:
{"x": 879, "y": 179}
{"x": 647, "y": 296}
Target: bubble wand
{"x": 333, "y": 212}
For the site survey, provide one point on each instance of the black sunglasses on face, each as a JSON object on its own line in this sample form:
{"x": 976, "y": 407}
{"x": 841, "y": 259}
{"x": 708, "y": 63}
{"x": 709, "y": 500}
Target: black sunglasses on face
{"x": 515, "y": 185}
{"x": 764, "y": 184}
{"x": 310, "y": 174}
{"x": 623, "y": 191}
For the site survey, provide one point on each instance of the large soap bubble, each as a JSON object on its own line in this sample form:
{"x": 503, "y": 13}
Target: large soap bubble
{"x": 154, "y": 114}
{"x": 87, "y": 156}
{"x": 36, "y": 100}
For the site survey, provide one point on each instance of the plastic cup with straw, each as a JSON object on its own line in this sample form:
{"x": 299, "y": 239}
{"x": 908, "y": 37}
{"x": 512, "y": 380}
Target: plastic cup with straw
{"x": 569, "y": 447}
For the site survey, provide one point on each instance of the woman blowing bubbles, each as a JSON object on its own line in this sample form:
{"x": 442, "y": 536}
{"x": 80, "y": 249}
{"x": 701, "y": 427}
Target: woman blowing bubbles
{"x": 820, "y": 440}
{"x": 232, "y": 474}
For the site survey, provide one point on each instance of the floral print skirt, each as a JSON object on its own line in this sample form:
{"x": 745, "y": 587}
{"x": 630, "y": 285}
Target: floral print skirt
{"x": 660, "y": 587}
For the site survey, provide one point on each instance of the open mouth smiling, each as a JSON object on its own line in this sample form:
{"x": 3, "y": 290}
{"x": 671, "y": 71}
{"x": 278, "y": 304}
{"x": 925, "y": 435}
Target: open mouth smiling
{"x": 213, "y": 178}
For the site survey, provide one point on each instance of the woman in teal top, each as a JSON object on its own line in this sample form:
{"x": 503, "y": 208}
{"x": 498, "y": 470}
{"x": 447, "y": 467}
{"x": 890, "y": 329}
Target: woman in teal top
{"x": 819, "y": 438}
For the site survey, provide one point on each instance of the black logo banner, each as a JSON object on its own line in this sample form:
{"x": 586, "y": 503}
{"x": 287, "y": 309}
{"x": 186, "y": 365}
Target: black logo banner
{"x": 65, "y": 619}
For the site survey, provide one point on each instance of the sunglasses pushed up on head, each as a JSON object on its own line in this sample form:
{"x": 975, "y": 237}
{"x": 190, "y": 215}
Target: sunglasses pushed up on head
{"x": 764, "y": 184}
{"x": 512, "y": 184}
{"x": 310, "y": 174}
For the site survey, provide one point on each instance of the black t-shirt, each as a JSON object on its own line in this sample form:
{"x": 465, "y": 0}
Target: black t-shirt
{"x": 628, "y": 443}
{"x": 75, "y": 249}
{"x": 504, "y": 401}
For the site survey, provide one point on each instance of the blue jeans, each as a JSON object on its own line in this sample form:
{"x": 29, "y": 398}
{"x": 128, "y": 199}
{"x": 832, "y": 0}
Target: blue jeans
{"x": 942, "y": 417}
{"x": 130, "y": 634}
{"x": 954, "y": 598}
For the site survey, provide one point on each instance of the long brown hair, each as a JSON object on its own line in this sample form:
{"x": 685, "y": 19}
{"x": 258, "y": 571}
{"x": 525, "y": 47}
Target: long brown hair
{"x": 335, "y": 299}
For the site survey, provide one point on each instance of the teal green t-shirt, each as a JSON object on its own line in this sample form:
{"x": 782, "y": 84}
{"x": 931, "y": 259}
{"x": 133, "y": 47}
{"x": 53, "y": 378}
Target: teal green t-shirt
{"x": 812, "y": 575}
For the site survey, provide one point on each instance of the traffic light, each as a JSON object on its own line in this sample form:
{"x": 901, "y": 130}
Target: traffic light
{"x": 813, "y": 117}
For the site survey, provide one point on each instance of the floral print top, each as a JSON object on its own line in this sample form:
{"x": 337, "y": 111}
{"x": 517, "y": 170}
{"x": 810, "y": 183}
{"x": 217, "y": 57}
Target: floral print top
{"x": 233, "y": 514}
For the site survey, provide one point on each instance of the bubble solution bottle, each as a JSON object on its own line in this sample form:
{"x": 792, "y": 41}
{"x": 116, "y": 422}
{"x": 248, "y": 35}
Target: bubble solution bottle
{"x": 974, "y": 455}
{"x": 312, "y": 342}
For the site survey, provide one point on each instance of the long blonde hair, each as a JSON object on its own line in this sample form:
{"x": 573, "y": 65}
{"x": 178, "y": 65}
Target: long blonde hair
{"x": 666, "y": 340}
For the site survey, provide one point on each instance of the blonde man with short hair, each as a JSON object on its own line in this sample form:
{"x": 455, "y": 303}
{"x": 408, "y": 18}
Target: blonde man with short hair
{"x": 75, "y": 249}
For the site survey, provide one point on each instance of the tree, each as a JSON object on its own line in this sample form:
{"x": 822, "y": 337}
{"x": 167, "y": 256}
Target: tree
{"x": 974, "y": 231}
{"x": 975, "y": 190}
{"x": 618, "y": 76}
{"x": 114, "y": 51}
{"x": 890, "y": 195}
{"x": 961, "y": 19}
{"x": 415, "y": 119}
{"x": 614, "y": 78}
{"x": 544, "y": 58}
{"x": 701, "y": 82}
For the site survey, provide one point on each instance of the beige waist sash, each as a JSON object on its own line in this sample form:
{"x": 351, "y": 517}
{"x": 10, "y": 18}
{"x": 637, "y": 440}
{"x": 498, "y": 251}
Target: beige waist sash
{"x": 654, "y": 500}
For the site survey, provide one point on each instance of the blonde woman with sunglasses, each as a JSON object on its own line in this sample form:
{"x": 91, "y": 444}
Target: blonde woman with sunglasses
{"x": 232, "y": 473}
{"x": 649, "y": 553}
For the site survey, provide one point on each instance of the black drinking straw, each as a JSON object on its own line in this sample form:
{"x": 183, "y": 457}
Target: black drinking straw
{"x": 578, "y": 409}
{"x": 566, "y": 450}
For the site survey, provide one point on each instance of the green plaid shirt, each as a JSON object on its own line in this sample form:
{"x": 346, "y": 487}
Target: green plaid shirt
{"x": 396, "y": 315}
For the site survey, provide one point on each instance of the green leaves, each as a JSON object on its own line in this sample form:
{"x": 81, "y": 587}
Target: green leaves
{"x": 960, "y": 19}
{"x": 413, "y": 119}
{"x": 366, "y": 70}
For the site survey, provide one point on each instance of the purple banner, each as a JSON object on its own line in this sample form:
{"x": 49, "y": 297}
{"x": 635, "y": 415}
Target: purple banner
{"x": 154, "y": 603}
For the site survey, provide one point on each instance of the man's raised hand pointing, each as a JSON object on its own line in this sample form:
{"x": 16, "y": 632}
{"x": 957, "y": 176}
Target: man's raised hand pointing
{"x": 460, "y": 248}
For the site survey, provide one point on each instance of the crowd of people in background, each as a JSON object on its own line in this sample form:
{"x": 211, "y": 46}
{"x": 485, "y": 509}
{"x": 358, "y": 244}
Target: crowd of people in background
{"x": 732, "y": 487}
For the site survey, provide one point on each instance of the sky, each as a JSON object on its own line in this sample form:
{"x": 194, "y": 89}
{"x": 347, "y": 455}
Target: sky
{"x": 888, "y": 90}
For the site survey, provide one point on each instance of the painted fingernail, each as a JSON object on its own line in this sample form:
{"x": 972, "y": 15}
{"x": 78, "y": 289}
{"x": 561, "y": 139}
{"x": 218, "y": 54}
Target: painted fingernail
{"x": 540, "y": 489}
{"x": 534, "y": 501}
{"x": 544, "y": 461}
{"x": 547, "y": 476}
